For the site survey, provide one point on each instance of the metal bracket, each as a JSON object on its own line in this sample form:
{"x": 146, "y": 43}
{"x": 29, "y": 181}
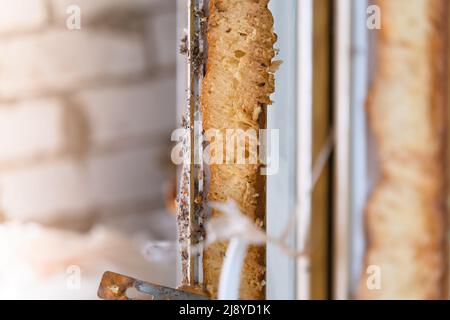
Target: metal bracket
{"x": 115, "y": 286}
{"x": 195, "y": 65}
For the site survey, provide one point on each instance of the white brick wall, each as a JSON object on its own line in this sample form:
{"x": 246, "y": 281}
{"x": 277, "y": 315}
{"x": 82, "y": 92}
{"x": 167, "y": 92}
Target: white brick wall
{"x": 39, "y": 191}
{"x": 124, "y": 177}
{"x": 85, "y": 121}
{"x": 160, "y": 28}
{"x": 21, "y": 15}
{"x": 58, "y": 60}
{"x": 85, "y": 115}
{"x": 94, "y": 8}
{"x": 60, "y": 187}
{"x": 109, "y": 109}
{"x": 29, "y": 129}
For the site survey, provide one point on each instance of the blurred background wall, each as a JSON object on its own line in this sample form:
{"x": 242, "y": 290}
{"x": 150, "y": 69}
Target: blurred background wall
{"x": 85, "y": 118}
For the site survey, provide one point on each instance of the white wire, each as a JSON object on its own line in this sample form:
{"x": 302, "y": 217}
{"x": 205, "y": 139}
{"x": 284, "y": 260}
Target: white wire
{"x": 230, "y": 276}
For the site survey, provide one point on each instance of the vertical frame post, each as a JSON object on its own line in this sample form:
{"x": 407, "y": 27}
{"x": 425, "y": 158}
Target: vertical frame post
{"x": 305, "y": 62}
{"x": 342, "y": 103}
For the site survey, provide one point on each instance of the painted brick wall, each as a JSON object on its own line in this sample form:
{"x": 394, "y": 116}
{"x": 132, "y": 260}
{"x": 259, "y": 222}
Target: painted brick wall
{"x": 85, "y": 115}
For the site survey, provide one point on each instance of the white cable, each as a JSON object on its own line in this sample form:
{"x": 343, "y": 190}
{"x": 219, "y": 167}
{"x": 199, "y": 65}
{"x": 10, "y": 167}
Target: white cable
{"x": 230, "y": 276}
